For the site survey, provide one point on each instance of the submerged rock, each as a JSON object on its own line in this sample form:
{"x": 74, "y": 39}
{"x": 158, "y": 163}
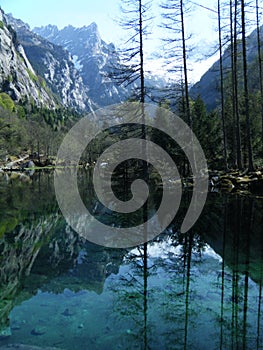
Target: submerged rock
{"x": 67, "y": 313}
{"x": 5, "y": 333}
{"x": 38, "y": 331}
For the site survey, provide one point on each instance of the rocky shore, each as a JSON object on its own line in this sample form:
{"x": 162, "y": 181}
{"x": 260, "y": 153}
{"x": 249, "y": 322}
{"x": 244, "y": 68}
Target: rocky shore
{"x": 230, "y": 181}
{"x": 237, "y": 181}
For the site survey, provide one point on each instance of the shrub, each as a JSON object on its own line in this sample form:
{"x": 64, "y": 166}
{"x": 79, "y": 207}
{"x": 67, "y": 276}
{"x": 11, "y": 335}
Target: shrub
{"x": 6, "y": 102}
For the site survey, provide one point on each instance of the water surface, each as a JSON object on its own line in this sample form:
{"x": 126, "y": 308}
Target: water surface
{"x": 200, "y": 290}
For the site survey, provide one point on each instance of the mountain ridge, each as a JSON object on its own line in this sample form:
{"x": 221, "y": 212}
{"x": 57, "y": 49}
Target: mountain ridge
{"x": 74, "y": 67}
{"x": 93, "y": 58}
{"x": 208, "y": 87}
{"x": 18, "y": 78}
{"x": 54, "y": 64}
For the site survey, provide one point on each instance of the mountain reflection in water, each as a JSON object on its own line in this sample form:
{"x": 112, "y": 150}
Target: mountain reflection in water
{"x": 200, "y": 290}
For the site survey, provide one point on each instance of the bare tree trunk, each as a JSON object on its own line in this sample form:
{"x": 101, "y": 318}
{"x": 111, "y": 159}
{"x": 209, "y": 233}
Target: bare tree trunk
{"x": 142, "y": 92}
{"x": 222, "y": 85}
{"x": 145, "y": 293}
{"x": 260, "y": 69}
{"x": 186, "y": 89}
{"x": 235, "y": 70}
{"x": 246, "y": 97}
{"x": 234, "y": 112}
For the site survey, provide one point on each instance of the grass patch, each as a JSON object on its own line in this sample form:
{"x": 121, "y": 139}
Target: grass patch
{"x": 32, "y": 76}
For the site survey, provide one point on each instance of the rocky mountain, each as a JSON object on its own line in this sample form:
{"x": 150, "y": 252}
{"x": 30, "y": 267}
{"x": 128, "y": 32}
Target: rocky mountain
{"x": 93, "y": 58}
{"x": 209, "y": 85}
{"x": 54, "y": 65}
{"x": 17, "y": 76}
{"x": 62, "y": 68}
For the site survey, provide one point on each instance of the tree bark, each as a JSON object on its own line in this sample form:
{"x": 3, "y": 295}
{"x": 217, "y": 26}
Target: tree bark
{"x": 222, "y": 85}
{"x": 236, "y": 100}
{"x": 260, "y": 70}
{"x": 186, "y": 89}
{"x": 246, "y": 97}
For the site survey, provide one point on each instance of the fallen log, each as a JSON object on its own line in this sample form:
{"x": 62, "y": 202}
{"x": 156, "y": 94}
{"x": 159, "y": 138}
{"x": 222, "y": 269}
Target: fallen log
{"x": 12, "y": 164}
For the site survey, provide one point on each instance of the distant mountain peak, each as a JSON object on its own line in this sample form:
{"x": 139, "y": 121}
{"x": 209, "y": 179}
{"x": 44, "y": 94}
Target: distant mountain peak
{"x": 69, "y": 66}
{"x": 90, "y": 32}
{"x": 93, "y": 58}
{"x": 93, "y": 27}
{"x": 18, "y": 22}
{"x": 50, "y": 30}
{"x": 209, "y": 85}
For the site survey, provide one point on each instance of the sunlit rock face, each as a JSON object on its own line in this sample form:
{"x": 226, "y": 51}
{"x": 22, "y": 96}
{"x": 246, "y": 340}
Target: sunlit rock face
{"x": 72, "y": 67}
{"x": 93, "y": 58}
{"x": 96, "y": 62}
{"x": 17, "y": 76}
{"x": 54, "y": 65}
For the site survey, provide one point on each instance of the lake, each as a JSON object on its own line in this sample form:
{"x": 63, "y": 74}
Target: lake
{"x": 199, "y": 290}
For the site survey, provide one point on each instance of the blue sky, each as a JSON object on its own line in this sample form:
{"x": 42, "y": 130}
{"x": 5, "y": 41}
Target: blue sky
{"x": 75, "y": 12}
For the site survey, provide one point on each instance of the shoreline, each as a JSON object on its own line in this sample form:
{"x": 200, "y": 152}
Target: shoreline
{"x": 233, "y": 181}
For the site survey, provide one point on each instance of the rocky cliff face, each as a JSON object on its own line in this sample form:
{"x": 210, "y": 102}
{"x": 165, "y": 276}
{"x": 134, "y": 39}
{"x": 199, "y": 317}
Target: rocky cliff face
{"x": 17, "y": 76}
{"x": 68, "y": 67}
{"x": 92, "y": 57}
{"x": 53, "y": 64}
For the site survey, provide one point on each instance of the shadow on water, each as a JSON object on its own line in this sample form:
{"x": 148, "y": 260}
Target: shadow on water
{"x": 200, "y": 290}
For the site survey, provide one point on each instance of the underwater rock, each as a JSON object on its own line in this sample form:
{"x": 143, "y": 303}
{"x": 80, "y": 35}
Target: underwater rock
{"x": 67, "y": 313}
{"x": 5, "y": 333}
{"x": 38, "y": 331}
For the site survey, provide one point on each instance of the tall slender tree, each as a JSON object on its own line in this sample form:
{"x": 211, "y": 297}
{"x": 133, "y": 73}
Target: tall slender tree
{"x": 234, "y": 78}
{"x": 185, "y": 68}
{"x": 260, "y": 68}
{"x": 174, "y": 21}
{"x": 135, "y": 22}
{"x": 222, "y": 83}
{"x": 176, "y": 50}
{"x": 246, "y": 93}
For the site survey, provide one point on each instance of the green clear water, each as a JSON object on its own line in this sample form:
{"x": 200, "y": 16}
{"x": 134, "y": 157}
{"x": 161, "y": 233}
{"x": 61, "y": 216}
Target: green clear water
{"x": 201, "y": 290}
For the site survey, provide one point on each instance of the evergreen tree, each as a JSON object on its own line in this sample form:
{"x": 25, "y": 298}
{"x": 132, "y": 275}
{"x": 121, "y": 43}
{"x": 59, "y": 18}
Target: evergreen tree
{"x": 206, "y": 127}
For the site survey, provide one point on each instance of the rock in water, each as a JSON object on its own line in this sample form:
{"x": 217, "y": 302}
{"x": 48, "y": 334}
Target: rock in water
{"x": 67, "y": 313}
{"x": 38, "y": 331}
{"x": 5, "y": 333}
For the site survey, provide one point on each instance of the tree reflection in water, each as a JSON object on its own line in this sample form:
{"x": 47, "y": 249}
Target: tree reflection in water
{"x": 200, "y": 290}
